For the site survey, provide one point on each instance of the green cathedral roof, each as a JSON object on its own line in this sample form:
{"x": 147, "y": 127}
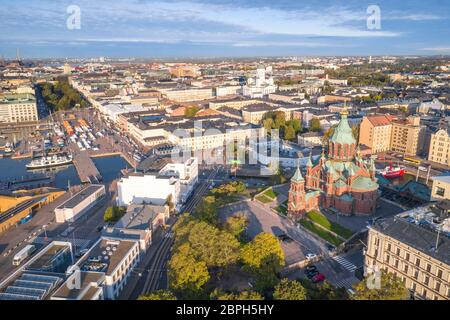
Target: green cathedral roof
{"x": 297, "y": 176}
{"x": 343, "y": 132}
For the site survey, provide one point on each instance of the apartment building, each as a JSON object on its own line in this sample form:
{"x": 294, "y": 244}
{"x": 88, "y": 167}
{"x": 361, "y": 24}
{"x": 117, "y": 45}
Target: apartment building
{"x": 439, "y": 150}
{"x": 415, "y": 246}
{"x": 255, "y": 113}
{"x": 188, "y": 94}
{"x": 375, "y": 132}
{"x": 441, "y": 187}
{"x": 18, "y": 108}
{"x": 236, "y": 103}
{"x": 408, "y": 136}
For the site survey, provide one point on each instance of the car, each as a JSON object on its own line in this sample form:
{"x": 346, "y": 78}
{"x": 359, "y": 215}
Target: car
{"x": 284, "y": 237}
{"x": 311, "y": 256}
{"x": 330, "y": 247}
{"x": 311, "y": 274}
{"x": 318, "y": 278}
{"x": 311, "y": 267}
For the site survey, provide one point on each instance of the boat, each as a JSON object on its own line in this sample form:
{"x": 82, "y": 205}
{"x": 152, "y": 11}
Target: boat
{"x": 8, "y": 149}
{"x": 391, "y": 172}
{"x": 50, "y": 161}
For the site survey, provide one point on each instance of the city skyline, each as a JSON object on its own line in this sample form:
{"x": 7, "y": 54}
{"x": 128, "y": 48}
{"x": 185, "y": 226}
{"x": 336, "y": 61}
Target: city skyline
{"x": 175, "y": 29}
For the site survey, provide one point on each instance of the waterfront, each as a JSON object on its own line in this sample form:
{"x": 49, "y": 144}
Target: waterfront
{"x": 109, "y": 168}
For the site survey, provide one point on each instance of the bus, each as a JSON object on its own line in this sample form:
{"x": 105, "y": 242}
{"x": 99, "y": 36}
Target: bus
{"x": 23, "y": 254}
{"x": 410, "y": 160}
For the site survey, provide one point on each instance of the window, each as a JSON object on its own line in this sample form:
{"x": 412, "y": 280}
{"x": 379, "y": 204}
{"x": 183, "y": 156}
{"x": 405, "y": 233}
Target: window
{"x": 398, "y": 251}
{"x": 405, "y": 269}
{"x": 389, "y": 247}
{"x": 407, "y": 256}
{"x": 439, "y": 273}
{"x": 440, "y": 191}
{"x": 396, "y": 263}
{"x": 428, "y": 267}
{"x": 424, "y": 293}
{"x": 417, "y": 262}
{"x": 426, "y": 280}
{"x": 416, "y": 274}
{"x": 437, "y": 286}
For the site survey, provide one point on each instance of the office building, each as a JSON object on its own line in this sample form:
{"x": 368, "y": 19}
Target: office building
{"x": 80, "y": 203}
{"x": 18, "y": 108}
{"x": 375, "y": 132}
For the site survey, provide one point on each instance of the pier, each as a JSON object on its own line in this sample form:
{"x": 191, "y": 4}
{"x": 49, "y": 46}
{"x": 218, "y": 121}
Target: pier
{"x": 87, "y": 171}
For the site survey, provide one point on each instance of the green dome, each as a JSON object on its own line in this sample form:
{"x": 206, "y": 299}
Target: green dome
{"x": 343, "y": 133}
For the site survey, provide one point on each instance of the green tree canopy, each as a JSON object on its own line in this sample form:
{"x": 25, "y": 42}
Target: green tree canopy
{"x": 217, "y": 248}
{"x": 159, "y": 295}
{"x": 315, "y": 125}
{"x": 289, "y": 133}
{"x": 207, "y": 210}
{"x": 186, "y": 274}
{"x": 244, "y": 295}
{"x": 236, "y": 224}
{"x": 391, "y": 288}
{"x": 263, "y": 257}
{"x": 289, "y": 290}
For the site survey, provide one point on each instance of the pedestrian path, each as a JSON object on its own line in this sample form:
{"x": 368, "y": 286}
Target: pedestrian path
{"x": 345, "y": 263}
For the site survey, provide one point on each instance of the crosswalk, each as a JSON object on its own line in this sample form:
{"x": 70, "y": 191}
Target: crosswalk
{"x": 346, "y": 283}
{"x": 345, "y": 263}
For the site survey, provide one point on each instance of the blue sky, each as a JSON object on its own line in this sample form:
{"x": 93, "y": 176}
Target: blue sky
{"x": 216, "y": 28}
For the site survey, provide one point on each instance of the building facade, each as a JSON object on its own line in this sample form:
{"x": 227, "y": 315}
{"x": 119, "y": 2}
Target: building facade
{"x": 375, "y": 132}
{"x": 18, "y": 108}
{"x": 439, "y": 150}
{"x": 403, "y": 246}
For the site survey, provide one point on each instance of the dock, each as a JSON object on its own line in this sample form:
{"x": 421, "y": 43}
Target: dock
{"x": 87, "y": 171}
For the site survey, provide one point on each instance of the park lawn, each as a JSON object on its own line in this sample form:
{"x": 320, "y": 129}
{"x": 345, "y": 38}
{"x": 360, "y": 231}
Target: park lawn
{"x": 319, "y": 218}
{"x": 270, "y": 194}
{"x": 264, "y": 199}
{"x": 320, "y": 232}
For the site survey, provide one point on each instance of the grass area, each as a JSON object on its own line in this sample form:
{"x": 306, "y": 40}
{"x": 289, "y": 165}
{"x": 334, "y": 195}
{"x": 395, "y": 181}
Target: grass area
{"x": 264, "y": 199}
{"x": 281, "y": 210}
{"x": 270, "y": 194}
{"x": 320, "y": 232}
{"x": 319, "y": 218}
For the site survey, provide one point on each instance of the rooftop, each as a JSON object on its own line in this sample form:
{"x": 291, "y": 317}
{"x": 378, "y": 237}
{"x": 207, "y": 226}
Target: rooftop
{"x": 106, "y": 255}
{"x": 418, "y": 228}
{"x": 80, "y": 196}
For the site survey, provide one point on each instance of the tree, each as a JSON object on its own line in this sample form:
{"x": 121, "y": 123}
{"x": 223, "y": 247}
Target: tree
{"x": 315, "y": 125}
{"x": 391, "y": 288}
{"x": 113, "y": 214}
{"x": 207, "y": 210}
{"x": 159, "y": 295}
{"x": 323, "y": 291}
{"x": 289, "y": 290}
{"x": 217, "y": 248}
{"x": 186, "y": 274}
{"x": 244, "y": 295}
{"x": 289, "y": 133}
{"x": 263, "y": 257}
{"x": 236, "y": 225}
{"x": 191, "y": 111}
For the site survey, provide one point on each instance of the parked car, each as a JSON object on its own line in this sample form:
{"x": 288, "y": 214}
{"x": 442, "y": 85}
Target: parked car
{"x": 311, "y": 256}
{"x": 310, "y": 268}
{"x": 284, "y": 237}
{"x": 318, "y": 278}
{"x": 330, "y": 247}
{"x": 311, "y": 274}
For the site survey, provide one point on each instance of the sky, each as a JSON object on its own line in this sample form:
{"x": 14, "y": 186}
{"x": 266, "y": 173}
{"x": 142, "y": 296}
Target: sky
{"x": 218, "y": 28}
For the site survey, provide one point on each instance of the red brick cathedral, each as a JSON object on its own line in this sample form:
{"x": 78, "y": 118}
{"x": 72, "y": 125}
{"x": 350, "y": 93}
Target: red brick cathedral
{"x": 340, "y": 180}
